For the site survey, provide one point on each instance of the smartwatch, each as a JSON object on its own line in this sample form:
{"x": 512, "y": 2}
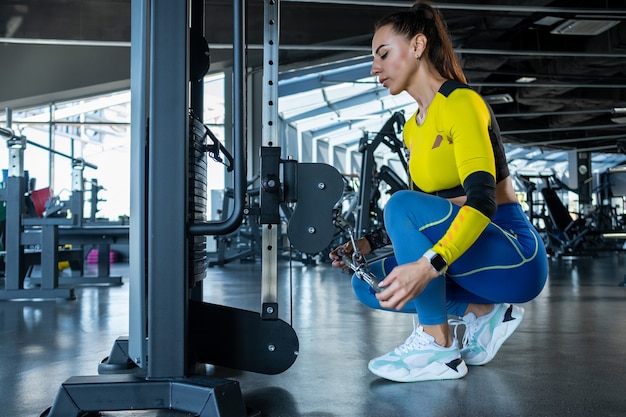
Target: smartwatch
{"x": 436, "y": 261}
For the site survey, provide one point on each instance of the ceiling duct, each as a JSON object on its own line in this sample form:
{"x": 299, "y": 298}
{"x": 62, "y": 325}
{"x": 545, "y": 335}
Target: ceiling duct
{"x": 584, "y": 27}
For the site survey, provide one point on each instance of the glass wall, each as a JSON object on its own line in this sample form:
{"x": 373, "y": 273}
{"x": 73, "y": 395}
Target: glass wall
{"x": 97, "y": 131}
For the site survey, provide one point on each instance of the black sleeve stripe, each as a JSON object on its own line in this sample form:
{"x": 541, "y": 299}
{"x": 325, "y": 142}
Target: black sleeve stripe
{"x": 480, "y": 187}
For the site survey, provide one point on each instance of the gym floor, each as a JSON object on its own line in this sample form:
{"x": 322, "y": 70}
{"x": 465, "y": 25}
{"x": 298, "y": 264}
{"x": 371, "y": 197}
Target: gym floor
{"x": 566, "y": 359}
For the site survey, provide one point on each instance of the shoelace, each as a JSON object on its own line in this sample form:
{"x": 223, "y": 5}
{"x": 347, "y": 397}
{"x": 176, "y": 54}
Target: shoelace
{"x": 414, "y": 341}
{"x": 470, "y": 329}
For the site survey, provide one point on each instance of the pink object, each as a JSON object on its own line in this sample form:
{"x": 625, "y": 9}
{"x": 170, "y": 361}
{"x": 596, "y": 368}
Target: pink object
{"x": 92, "y": 256}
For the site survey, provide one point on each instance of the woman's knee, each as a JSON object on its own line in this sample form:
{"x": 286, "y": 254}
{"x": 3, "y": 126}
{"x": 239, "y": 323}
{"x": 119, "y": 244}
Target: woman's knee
{"x": 399, "y": 204}
{"x": 409, "y": 209}
{"x": 400, "y": 199}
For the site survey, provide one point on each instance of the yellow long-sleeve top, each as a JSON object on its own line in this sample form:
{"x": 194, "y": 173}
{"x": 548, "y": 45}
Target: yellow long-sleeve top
{"x": 458, "y": 150}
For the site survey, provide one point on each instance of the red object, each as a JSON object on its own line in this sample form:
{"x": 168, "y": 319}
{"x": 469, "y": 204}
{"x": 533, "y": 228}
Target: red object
{"x": 39, "y": 199}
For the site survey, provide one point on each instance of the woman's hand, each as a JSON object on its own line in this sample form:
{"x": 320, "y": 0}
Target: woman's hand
{"x": 404, "y": 283}
{"x": 362, "y": 244}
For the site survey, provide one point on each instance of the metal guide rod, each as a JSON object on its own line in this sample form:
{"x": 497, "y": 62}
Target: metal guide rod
{"x": 269, "y": 267}
{"x": 239, "y": 132}
{"x": 6, "y": 132}
{"x": 137, "y": 350}
{"x": 64, "y": 155}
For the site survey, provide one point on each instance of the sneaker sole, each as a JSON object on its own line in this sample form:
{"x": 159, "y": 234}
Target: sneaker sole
{"x": 500, "y": 335}
{"x": 433, "y": 372}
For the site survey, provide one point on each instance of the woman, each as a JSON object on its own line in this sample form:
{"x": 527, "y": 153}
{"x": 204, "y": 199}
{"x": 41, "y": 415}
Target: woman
{"x": 462, "y": 244}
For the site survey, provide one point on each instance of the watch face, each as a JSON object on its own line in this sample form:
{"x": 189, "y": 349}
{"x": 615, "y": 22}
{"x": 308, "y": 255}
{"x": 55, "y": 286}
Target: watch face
{"x": 438, "y": 262}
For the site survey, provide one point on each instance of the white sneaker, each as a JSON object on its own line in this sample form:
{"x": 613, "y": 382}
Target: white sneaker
{"x": 420, "y": 359}
{"x": 485, "y": 335}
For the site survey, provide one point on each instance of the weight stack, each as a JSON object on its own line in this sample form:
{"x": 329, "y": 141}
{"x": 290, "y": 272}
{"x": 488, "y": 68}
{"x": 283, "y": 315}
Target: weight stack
{"x": 197, "y": 198}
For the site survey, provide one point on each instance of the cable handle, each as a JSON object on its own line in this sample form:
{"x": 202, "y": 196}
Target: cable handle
{"x": 342, "y": 223}
{"x": 361, "y": 271}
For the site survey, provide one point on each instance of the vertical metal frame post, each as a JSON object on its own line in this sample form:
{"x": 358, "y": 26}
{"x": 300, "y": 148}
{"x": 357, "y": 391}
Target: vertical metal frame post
{"x": 365, "y": 180}
{"x": 138, "y": 144}
{"x": 14, "y": 265}
{"x": 269, "y": 271}
{"x": 167, "y": 199}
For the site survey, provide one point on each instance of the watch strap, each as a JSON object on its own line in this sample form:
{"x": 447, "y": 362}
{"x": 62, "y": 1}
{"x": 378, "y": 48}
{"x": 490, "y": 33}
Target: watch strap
{"x": 437, "y": 262}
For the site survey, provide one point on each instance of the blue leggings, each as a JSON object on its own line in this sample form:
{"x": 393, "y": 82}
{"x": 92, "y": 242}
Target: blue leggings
{"x": 507, "y": 263}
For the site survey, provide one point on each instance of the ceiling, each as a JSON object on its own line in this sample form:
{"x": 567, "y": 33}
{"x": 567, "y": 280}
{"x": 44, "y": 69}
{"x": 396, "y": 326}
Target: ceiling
{"x": 52, "y": 49}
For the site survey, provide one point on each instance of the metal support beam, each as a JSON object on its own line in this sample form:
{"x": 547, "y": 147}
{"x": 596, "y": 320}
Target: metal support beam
{"x": 168, "y": 137}
{"x": 269, "y": 266}
{"x": 138, "y": 173}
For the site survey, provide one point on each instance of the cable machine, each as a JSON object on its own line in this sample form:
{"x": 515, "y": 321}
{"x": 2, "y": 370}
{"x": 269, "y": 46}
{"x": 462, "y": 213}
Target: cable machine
{"x": 388, "y": 135}
{"x": 24, "y": 228}
{"x": 171, "y": 328}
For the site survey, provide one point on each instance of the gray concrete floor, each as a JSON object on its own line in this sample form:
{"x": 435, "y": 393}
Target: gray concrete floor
{"x": 566, "y": 359}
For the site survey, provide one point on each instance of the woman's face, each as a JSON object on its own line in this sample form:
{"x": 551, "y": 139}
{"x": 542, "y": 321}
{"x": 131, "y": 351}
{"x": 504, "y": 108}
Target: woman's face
{"x": 395, "y": 60}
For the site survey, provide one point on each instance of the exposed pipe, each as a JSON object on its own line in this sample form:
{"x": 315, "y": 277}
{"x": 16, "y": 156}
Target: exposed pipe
{"x": 322, "y": 47}
{"x": 546, "y": 85}
{"x": 468, "y": 51}
{"x": 561, "y": 141}
{"x": 554, "y": 113}
{"x": 475, "y": 7}
{"x": 561, "y": 129}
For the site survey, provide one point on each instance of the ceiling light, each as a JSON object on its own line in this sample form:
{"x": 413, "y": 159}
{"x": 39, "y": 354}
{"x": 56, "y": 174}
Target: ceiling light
{"x": 498, "y": 98}
{"x": 525, "y": 80}
{"x": 584, "y": 27}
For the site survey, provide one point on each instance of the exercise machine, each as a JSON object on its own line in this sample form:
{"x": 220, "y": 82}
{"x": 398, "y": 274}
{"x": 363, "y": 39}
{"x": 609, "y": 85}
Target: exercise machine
{"x": 171, "y": 328}
{"x": 568, "y": 233}
{"x": 16, "y": 258}
{"x": 47, "y": 233}
{"x": 370, "y": 213}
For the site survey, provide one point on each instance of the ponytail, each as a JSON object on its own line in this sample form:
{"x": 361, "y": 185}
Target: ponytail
{"x": 427, "y": 20}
